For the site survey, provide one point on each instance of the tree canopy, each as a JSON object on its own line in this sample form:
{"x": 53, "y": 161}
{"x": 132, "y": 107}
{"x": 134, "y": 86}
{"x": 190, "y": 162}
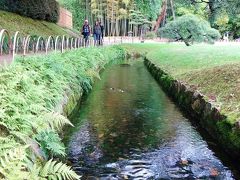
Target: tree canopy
{"x": 223, "y": 15}
{"x": 190, "y": 29}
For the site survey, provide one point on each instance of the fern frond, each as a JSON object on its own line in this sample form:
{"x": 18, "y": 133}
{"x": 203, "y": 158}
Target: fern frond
{"x": 57, "y": 170}
{"x": 12, "y": 165}
{"x": 50, "y": 143}
{"x": 56, "y": 121}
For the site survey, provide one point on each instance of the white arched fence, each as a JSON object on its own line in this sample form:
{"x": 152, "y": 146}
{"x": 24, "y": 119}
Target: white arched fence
{"x": 10, "y": 46}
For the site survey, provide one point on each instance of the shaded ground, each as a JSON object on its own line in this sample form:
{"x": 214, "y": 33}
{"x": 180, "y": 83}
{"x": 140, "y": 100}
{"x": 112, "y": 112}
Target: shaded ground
{"x": 214, "y": 69}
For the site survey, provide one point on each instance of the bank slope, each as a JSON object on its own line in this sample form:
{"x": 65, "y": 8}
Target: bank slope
{"x": 27, "y": 26}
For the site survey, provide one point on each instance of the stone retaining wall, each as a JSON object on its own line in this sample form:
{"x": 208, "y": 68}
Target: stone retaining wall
{"x": 192, "y": 101}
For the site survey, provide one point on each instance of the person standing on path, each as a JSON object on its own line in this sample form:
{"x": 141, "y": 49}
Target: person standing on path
{"x": 86, "y": 31}
{"x": 102, "y": 29}
{"x": 97, "y": 33}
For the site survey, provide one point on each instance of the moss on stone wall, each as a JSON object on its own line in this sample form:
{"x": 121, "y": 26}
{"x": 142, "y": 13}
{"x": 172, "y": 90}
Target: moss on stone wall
{"x": 202, "y": 111}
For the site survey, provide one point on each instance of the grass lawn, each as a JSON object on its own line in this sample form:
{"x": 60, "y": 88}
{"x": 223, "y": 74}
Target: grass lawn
{"x": 27, "y": 26}
{"x": 214, "y": 69}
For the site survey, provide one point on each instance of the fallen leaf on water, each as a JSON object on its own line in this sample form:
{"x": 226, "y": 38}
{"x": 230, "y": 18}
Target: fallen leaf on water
{"x": 100, "y": 135}
{"x": 184, "y": 162}
{"x": 96, "y": 125}
{"x": 113, "y": 134}
{"x": 214, "y": 172}
{"x": 124, "y": 120}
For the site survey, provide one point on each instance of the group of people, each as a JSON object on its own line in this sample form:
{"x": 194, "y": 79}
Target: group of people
{"x": 98, "y": 32}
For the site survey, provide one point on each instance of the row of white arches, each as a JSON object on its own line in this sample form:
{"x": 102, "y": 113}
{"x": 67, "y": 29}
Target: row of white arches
{"x": 17, "y": 44}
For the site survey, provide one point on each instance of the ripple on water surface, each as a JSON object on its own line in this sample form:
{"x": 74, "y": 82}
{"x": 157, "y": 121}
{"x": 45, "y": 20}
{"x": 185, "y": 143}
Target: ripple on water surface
{"x": 129, "y": 129}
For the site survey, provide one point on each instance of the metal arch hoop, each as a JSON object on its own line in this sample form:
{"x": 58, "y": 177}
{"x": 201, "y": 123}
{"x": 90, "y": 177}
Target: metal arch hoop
{"x": 78, "y": 42}
{"x": 26, "y": 44}
{"x": 15, "y": 40}
{"x": 71, "y": 44}
{"x": 2, "y": 35}
{"x": 50, "y": 41}
{"x": 75, "y": 42}
{"x": 63, "y": 43}
{"x": 58, "y": 40}
{"x": 67, "y": 43}
{"x": 19, "y": 44}
{"x": 38, "y": 42}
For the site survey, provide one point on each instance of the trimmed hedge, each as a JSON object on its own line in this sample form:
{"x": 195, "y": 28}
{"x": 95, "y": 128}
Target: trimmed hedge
{"x": 47, "y": 10}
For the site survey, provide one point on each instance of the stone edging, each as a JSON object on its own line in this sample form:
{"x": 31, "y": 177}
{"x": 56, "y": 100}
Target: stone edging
{"x": 193, "y": 102}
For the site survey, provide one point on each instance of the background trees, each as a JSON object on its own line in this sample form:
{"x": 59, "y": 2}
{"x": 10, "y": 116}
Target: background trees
{"x": 118, "y": 16}
{"x": 122, "y": 16}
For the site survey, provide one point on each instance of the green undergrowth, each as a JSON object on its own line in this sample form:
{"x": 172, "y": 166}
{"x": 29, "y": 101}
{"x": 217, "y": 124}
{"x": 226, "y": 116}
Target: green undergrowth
{"x": 213, "y": 69}
{"x": 30, "y": 90}
{"x": 27, "y": 26}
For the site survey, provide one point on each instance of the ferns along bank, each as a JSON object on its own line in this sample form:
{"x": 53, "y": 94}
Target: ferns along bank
{"x": 31, "y": 118}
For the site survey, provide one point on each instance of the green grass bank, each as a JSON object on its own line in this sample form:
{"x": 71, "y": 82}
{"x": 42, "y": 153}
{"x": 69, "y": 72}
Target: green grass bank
{"x": 35, "y": 92}
{"x": 212, "y": 70}
{"x": 27, "y": 26}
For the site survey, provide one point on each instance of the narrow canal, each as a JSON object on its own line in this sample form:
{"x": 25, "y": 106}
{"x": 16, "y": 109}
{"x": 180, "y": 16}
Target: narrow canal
{"x": 127, "y": 128}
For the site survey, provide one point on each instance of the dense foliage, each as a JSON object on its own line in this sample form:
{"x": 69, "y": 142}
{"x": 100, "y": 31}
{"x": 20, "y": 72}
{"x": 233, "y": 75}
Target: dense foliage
{"x": 37, "y": 9}
{"x": 31, "y": 88}
{"x": 223, "y": 15}
{"x": 190, "y": 29}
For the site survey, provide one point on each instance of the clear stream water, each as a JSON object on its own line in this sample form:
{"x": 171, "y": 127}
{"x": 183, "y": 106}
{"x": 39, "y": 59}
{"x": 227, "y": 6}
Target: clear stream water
{"x": 127, "y": 128}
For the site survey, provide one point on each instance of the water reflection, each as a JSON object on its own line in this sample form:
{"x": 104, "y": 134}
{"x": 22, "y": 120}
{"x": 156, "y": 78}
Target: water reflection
{"x": 130, "y": 130}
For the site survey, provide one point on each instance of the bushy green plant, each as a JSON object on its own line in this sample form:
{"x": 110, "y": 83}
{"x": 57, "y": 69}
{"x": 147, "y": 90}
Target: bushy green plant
{"x": 50, "y": 143}
{"x": 150, "y": 35}
{"x": 55, "y": 170}
{"x": 30, "y": 90}
{"x": 189, "y": 29}
{"x": 15, "y": 164}
{"x": 37, "y": 9}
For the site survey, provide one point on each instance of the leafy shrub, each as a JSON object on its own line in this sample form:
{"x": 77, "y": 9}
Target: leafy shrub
{"x": 190, "y": 29}
{"x": 31, "y": 88}
{"x": 37, "y": 9}
{"x": 150, "y": 35}
{"x": 16, "y": 165}
{"x": 55, "y": 170}
{"x": 50, "y": 143}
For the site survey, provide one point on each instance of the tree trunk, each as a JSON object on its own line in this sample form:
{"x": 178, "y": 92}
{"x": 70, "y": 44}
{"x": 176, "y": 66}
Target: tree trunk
{"x": 125, "y": 27}
{"x": 187, "y": 43}
{"x": 173, "y": 11}
{"x": 161, "y": 16}
{"x": 212, "y": 11}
